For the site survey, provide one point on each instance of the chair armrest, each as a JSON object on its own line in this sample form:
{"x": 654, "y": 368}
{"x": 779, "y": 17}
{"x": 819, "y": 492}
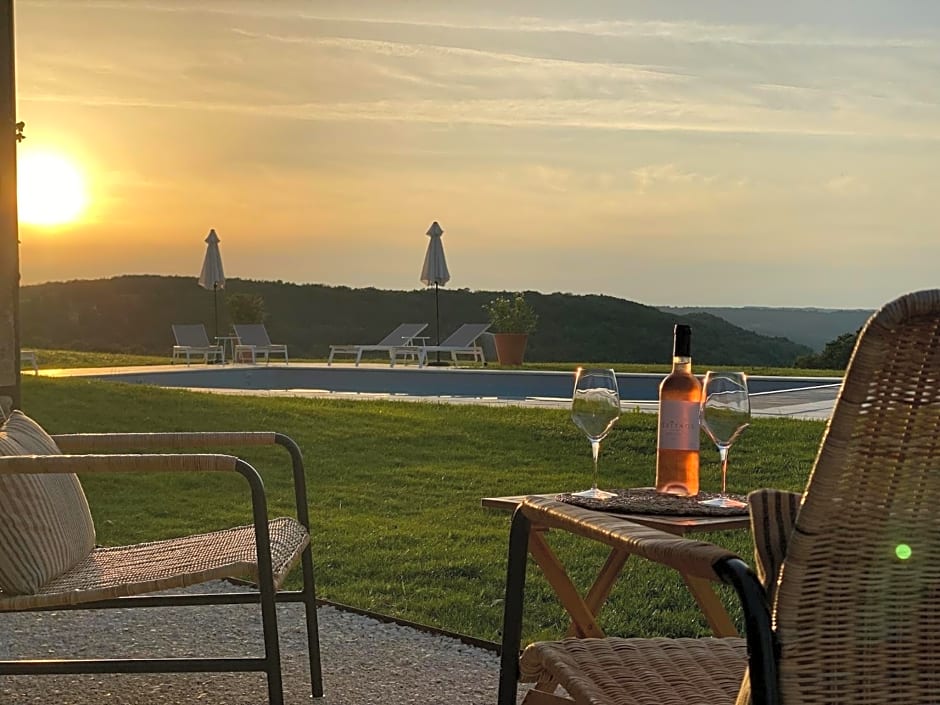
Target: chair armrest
{"x": 97, "y": 463}
{"x": 50, "y": 464}
{"x": 690, "y": 557}
{"x": 763, "y": 649}
{"x": 99, "y": 442}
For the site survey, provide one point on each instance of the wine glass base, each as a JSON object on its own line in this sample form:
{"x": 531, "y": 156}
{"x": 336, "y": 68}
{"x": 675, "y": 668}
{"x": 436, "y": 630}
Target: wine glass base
{"x": 594, "y": 493}
{"x": 724, "y": 502}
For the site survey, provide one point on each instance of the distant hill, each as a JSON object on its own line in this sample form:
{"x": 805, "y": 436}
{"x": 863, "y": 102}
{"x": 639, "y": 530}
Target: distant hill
{"x": 134, "y": 314}
{"x": 810, "y": 326}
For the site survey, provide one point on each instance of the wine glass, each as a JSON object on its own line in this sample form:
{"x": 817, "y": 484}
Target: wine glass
{"x": 726, "y": 412}
{"x": 595, "y": 407}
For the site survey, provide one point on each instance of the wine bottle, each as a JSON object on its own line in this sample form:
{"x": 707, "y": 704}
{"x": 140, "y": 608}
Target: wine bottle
{"x": 677, "y": 443}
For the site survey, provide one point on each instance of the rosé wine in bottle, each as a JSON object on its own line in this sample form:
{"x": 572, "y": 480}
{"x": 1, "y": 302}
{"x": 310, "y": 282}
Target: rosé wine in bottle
{"x": 677, "y": 443}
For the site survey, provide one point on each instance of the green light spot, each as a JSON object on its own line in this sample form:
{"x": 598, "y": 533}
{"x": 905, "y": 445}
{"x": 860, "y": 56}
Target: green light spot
{"x": 902, "y": 551}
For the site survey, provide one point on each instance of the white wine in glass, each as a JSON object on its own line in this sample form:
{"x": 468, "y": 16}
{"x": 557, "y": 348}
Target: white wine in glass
{"x": 595, "y": 407}
{"x": 726, "y": 412}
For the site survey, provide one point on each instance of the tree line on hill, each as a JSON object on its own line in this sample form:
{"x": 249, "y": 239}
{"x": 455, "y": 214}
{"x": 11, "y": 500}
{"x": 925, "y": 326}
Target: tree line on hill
{"x": 835, "y": 356}
{"x": 133, "y": 314}
{"x": 815, "y": 327}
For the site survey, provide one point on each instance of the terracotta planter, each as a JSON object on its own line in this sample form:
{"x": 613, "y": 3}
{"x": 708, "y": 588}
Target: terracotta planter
{"x": 510, "y": 347}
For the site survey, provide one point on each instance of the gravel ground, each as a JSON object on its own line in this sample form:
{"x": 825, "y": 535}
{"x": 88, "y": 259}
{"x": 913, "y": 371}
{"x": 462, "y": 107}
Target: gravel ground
{"x": 364, "y": 660}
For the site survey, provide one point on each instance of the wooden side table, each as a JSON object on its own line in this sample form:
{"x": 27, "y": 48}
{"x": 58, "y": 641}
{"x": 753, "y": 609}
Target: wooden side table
{"x": 583, "y": 610}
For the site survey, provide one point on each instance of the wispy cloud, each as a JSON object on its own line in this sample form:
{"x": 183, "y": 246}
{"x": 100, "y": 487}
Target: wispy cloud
{"x": 745, "y": 82}
{"x": 679, "y": 31}
{"x": 652, "y": 175}
{"x": 615, "y": 115}
{"x": 430, "y": 52}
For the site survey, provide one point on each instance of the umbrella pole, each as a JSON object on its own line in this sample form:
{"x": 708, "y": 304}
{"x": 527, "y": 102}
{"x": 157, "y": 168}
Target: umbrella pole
{"x": 437, "y": 316}
{"x": 215, "y": 302}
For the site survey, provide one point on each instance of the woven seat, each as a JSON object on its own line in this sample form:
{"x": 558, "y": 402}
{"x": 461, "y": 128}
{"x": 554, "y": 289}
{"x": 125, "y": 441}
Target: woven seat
{"x": 123, "y": 576}
{"x": 175, "y": 563}
{"x": 849, "y": 608}
{"x": 640, "y": 671}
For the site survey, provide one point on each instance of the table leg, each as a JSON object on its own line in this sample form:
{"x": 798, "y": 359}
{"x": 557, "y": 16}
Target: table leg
{"x": 582, "y": 619}
{"x": 605, "y": 580}
{"x": 715, "y": 613}
{"x": 583, "y": 611}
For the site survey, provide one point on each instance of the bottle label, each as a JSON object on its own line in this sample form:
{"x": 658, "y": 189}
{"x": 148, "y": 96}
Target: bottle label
{"x": 678, "y": 425}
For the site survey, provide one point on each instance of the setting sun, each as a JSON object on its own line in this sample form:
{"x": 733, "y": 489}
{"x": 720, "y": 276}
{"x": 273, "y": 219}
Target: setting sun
{"x": 50, "y": 189}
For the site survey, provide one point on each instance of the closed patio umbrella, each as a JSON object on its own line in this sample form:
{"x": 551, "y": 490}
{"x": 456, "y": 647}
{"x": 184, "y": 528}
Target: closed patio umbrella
{"x": 435, "y": 272}
{"x": 212, "y": 277}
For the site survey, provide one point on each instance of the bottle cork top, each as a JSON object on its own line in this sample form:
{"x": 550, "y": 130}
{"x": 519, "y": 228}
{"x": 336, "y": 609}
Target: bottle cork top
{"x": 683, "y": 341}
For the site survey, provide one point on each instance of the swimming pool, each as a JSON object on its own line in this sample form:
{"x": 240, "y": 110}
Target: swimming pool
{"x": 428, "y": 381}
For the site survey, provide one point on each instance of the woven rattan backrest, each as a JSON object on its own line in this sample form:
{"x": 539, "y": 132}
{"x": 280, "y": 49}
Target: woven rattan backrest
{"x": 858, "y": 619}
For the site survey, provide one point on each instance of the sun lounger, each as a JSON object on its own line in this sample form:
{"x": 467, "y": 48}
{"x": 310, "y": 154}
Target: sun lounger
{"x": 28, "y": 357}
{"x": 192, "y": 339}
{"x": 462, "y": 341}
{"x": 253, "y": 341}
{"x": 400, "y": 342}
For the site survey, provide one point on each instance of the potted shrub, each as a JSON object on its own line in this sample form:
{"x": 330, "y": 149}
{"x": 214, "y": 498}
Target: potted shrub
{"x": 512, "y": 318}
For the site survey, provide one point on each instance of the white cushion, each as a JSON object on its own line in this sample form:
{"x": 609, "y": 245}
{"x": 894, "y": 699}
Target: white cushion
{"x": 45, "y": 524}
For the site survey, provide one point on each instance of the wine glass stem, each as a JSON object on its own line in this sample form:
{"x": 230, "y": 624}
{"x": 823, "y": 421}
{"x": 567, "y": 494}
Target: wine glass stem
{"x": 723, "y": 455}
{"x": 595, "y": 451}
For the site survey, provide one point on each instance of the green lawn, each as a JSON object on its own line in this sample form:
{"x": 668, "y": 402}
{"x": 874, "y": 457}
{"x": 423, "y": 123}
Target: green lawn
{"x": 63, "y": 359}
{"x": 395, "y": 489}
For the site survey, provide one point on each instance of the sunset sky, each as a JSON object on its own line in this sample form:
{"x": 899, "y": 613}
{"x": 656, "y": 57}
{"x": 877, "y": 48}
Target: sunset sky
{"x": 671, "y": 152}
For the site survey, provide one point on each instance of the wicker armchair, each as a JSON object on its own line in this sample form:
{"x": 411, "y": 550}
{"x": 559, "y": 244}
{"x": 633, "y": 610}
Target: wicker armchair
{"x": 119, "y": 576}
{"x": 853, "y": 613}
